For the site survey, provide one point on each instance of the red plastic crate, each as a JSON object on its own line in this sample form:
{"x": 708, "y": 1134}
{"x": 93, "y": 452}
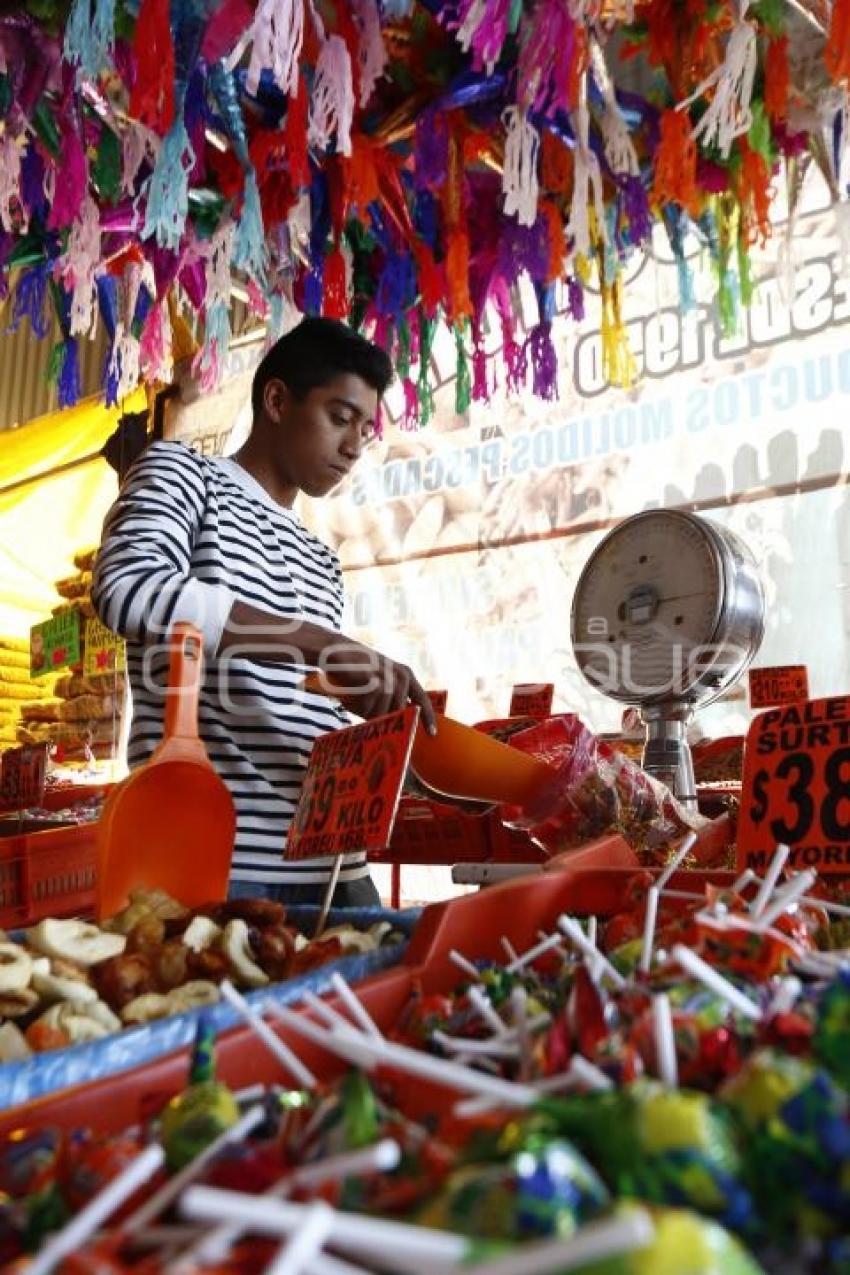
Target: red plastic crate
{"x": 429, "y": 832}
{"x": 50, "y": 873}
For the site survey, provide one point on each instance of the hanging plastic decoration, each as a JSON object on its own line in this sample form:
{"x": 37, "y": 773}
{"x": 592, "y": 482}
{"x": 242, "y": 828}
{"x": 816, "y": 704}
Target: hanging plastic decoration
{"x": 397, "y": 163}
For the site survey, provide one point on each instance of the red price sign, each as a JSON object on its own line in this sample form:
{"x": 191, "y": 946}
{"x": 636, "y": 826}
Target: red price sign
{"x": 532, "y": 699}
{"x": 796, "y": 786}
{"x": 439, "y": 700}
{"x": 352, "y": 788}
{"x": 22, "y": 774}
{"x": 784, "y": 684}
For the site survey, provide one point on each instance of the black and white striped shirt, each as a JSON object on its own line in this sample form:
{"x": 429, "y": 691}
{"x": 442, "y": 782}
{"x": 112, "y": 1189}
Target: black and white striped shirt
{"x": 188, "y": 536}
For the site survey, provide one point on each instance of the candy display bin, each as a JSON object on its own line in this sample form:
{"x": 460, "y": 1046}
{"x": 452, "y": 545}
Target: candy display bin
{"x": 472, "y": 925}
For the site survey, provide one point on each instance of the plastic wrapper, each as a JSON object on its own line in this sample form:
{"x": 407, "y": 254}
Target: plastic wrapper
{"x": 21, "y": 1082}
{"x": 596, "y": 790}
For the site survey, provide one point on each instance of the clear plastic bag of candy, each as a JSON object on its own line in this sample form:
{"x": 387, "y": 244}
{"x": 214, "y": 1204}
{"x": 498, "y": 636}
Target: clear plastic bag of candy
{"x": 596, "y": 790}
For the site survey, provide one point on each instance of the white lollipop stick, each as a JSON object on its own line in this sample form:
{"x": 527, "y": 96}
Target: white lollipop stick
{"x": 684, "y": 894}
{"x": 545, "y": 945}
{"x": 838, "y": 909}
{"x": 785, "y": 996}
{"x": 579, "y": 1072}
{"x": 715, "y": 982}
{"x": 381, "y": 1157}
{"x": 592, "y": 927}
{"x": 652, "y": 896}
{"x": 677, "y": 860}
{"x": 368, "y": 1053}
{"x": 273, "y": 1043}
{"x": 573, "y": 931}
{"x": 519, "y": 1014}
{"x": 740, "y": 883}
{"x": 412, "y": 1248}
{"x": 324, "y": 1264}
{"x": 305, "y": 1242}
{"x": 771, "y": 877}
{"x": 463, "y": 964}
{"x": 170, "y": 1190}
{"x": 591, "y": 1244}
{"x": 665, "y": 1041}
{"x": 508, "y": 948}
{"x": 96, "y": 1212}
{"x": 785, "y": 898}
{"x": 485, "y": 1009}
{"x": 325, "y": 1012}
{"x": 499, "y": 1047}
{"x": 355, "y": 1006}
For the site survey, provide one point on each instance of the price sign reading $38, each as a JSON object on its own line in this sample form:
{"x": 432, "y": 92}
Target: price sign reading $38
{"x": 796, "y": 786}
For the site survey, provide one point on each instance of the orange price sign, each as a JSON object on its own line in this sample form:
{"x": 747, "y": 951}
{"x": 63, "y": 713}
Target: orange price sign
{"x": 532, "y": 699}
{"x": 352, "y": 787}
{"x": 439, "y": 700}
{"x": 784, "y": 684}
{"x": 796, "y": 786}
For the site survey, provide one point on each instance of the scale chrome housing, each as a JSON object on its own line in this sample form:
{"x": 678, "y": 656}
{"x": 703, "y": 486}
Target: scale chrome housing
{"x": 667, "y": 614}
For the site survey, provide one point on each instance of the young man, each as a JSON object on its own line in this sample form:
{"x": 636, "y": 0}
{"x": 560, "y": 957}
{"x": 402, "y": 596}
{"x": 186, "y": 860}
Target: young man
{"x": 215, "y": 542}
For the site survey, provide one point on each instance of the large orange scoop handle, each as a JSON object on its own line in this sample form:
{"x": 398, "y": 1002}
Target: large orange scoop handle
{"x": 180, "y": 738}
{"x": 459, "y": 761}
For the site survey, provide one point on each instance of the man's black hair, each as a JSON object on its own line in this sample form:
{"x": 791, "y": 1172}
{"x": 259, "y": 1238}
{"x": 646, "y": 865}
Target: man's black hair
{"x": 313, "y": 353}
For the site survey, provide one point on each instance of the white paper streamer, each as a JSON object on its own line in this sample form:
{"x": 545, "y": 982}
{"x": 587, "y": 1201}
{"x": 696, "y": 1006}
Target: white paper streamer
{"x": 729, "y": 114}
{"x": 519, "y": 175}
{"x": 79, "y": 267}
{"x": 10, "y": 185}
{"x": 278, "y": 36}
{"x": 372, "y": 54}
{"x": 619, "y": 148}
{"x": 332, "y": 103}
{"x": 587, "y": 179}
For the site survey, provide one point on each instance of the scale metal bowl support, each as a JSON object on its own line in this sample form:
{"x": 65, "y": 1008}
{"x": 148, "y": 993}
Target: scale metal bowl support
{"x": 667, "y": 614}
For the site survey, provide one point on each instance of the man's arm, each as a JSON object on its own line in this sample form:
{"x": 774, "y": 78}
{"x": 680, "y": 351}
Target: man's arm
{"x": 143, "y": 584}
{"x": 142, "y": 581}
{"x": 372, "y": 682}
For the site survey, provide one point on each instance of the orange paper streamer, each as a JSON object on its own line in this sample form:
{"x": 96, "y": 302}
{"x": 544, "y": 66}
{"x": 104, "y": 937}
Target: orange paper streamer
{"x": 754, "y": 194}
{"x": 836, "y": 54}
{"x": 776, "y": 78}
{"x": 556, "y": 164}
{"x": 557, "y": 239}
{"x": 675, "y": 176}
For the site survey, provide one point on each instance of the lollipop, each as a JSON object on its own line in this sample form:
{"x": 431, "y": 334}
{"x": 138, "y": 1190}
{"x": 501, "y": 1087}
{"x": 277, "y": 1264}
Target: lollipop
{"x": 832, "y": 1029}
{"x": 195, "y": 1118}
{"x": 797, "y": 1143}
{"x": 544, "y": 1188}
{"x": 683, "y": 1244}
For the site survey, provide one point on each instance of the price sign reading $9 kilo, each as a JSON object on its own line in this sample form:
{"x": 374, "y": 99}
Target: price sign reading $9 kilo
{"x": 352, "y": 787}
{"x": 796, "y": 786}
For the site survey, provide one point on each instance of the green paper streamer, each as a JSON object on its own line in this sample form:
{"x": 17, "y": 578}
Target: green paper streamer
{"x": 403, "y": 349}
{"x": 463, "y": 386}
{"x": 427, "y": 332}
{"x": 44, "y": 123}
{"x": 759, "y": 135}
{"x": 106, "y": 169}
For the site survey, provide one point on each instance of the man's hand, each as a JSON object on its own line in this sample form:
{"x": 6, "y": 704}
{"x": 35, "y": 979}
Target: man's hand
{"x": 373, "y": 683}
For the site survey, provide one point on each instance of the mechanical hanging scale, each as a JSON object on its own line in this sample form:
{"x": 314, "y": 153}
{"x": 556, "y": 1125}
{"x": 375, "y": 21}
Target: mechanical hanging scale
{"x": 667, "y": 614}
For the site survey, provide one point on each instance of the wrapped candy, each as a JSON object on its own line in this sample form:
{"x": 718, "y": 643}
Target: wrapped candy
{"x": 196, "y": 1117}
{"x": 544, "y": 1188}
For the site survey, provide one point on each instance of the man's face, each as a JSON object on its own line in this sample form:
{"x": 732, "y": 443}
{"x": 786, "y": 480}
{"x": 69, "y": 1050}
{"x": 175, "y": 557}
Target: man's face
{"x": 319, "y": 438}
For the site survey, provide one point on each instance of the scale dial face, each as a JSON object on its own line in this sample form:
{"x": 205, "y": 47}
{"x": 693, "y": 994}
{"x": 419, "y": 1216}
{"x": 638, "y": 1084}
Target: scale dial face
{"x": 647, "y": 603}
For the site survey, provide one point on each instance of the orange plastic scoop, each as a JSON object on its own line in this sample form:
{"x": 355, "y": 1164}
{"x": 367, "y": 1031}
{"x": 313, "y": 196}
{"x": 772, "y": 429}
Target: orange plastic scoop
{"x": 171, "y": 824}
{"x": 459, "y": 761}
